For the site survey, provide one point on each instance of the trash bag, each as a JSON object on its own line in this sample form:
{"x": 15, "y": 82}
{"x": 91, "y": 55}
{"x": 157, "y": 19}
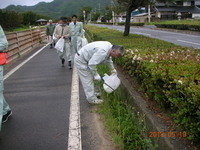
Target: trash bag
{"x": 84, "y": 41}
{"x": 60, "y": 45}
{"x": 50, "y": 39}
{"x": 111, "y": 82}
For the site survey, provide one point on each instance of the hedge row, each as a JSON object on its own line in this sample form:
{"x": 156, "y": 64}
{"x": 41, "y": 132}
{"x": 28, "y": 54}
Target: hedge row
{"x": 180, "y": 26}
{"x": 169, "y": 74}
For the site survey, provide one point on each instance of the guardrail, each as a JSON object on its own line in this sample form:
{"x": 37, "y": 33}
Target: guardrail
{"x": 24, "y": 41}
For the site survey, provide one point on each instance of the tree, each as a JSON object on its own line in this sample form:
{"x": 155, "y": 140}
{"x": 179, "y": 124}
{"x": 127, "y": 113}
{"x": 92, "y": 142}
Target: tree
{"x": 10, "y": 19}
{"x": 29, "y": 18}
{"x": 131, "y": 5}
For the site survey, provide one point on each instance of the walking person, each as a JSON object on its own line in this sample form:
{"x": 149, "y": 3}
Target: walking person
{"x": 49, "y": 33}
{"x": 62, "y": 30}
{"x": 5, "y": 111}
{"x": 77, "y": 33}
{"x": 86, "y": 60}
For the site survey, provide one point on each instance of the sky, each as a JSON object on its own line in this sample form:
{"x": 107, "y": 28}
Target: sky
{"x": 5, "y": 3}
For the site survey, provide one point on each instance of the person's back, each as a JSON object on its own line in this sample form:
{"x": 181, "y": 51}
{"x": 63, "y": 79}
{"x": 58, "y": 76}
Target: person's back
{"x": 88, "y": 50}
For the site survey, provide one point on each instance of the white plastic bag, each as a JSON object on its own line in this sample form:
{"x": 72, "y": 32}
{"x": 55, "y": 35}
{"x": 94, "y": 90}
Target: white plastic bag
{"x": 54, "y": 38}
{"x": 50, "y": 39}
{"x": 84, "y": 41}
{"x": 111, "y": 82}
{"x": 60, "y": 45}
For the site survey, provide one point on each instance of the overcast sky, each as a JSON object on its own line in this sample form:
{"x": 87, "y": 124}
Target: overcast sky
{"x": 5, "y": 3}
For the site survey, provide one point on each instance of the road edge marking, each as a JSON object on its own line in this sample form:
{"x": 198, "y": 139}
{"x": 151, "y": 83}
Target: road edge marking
{"x": 21, "y": 64}
{"x": 74, "y": 137}
{"x": 188, "y": 42}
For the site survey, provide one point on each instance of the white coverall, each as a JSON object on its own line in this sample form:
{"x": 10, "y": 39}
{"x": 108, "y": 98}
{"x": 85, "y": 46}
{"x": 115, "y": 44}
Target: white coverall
{"x": 4, "y": 107}
{"x": 86, "y": 60}
{"x": 77, "y": 33}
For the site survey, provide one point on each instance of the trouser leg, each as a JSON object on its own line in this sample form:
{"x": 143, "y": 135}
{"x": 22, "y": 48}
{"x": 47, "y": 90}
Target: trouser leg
{"x": 74, "y": 43}
{"x": 67, "y": 52}
{"x": 86, "y": 78}
{"x": 4, "y": 107}
{"x": 79, "y": 43}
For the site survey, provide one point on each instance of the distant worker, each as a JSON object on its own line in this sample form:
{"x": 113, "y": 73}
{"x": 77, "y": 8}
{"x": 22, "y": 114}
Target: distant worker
{"x": 77, "y": 33}
{"x": 62, "y": 30}
{"x": 88, "y": 57}
{"x": 49, "y": 33}
{"x": 5, "y": 111}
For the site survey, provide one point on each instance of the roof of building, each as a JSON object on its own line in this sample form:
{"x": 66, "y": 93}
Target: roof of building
{"x": 191, "y": 9}
{"x": 42, "y": 20}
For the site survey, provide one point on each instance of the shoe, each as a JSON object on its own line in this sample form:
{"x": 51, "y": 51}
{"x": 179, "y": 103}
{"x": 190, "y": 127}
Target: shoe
{"x": 6, "y": 116}
{"x": 98, "y": 95}
{"x": 69, "y": 65}
{"x": 63, "y": 62}
{"x": 97, "y": 101}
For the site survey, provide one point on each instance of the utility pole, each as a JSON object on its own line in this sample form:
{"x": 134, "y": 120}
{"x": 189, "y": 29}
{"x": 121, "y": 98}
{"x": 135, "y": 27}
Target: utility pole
{"x": 149, "y": 13}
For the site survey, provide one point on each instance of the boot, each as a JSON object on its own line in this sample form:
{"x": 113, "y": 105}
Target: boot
{"x": 63, "y": 62}
{"x": 70, "y": 65}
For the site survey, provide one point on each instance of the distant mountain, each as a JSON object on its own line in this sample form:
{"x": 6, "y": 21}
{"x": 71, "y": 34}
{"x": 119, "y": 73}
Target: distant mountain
{"x": 58, "y": 8}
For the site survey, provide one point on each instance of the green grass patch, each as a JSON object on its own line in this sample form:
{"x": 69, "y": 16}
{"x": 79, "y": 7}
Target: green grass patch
{"x": 167, "y": 73}
{"x": 125, "y": 125}
{"x": 188, "y": 22}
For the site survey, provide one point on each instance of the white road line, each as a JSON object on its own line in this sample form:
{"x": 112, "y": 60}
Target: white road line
{"x": 143, "y": 33}
{"x": 188, "y": 42}
{"x": 20, "y": 65}
{"x": 74, "y": 138}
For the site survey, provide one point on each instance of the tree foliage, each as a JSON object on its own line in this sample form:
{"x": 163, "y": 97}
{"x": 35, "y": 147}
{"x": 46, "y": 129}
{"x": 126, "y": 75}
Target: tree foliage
{"x": 12, "y": 19}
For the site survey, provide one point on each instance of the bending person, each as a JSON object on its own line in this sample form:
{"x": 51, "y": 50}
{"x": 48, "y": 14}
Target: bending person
{"x": 86, "y": 60}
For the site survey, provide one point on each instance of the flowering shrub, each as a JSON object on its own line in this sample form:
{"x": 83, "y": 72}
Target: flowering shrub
{"x": 169, "y": 74}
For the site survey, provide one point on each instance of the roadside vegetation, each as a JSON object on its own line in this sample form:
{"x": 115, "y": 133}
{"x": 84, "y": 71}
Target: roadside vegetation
{"x": 187, "y": 22}
{"x": 168, "y": 74}
{"x": 192, "y": 25}
{"x": 125, "y": 125}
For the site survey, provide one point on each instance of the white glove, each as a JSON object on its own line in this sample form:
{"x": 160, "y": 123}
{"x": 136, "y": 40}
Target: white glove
{"x": 97, "y": 77}
{"x": 113, "y": 71}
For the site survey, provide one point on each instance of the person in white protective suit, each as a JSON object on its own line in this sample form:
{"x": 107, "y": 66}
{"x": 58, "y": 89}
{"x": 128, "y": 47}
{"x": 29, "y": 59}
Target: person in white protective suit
{"x": 77, "y": 33}
{"x": 5, "y": 110}
{"x": 88, "y": 57}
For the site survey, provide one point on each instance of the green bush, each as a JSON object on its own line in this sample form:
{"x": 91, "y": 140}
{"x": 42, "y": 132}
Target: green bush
{"x": 180, "y": 26}
{"x": 169, "y": 74}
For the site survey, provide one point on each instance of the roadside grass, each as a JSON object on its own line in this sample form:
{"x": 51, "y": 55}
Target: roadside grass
{"x": 187, "y": 22}
{"x": 167, "y": 73}
{"x": 22, "y": 28}
{"x": 125, "y": 125}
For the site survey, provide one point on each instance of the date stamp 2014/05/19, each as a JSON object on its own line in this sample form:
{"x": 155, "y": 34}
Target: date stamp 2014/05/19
{"x": 167, "y": 134}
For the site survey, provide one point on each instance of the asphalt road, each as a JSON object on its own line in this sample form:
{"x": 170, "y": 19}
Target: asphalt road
{"x": 39, "y": 94}
{"x": 181, "y": 39}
